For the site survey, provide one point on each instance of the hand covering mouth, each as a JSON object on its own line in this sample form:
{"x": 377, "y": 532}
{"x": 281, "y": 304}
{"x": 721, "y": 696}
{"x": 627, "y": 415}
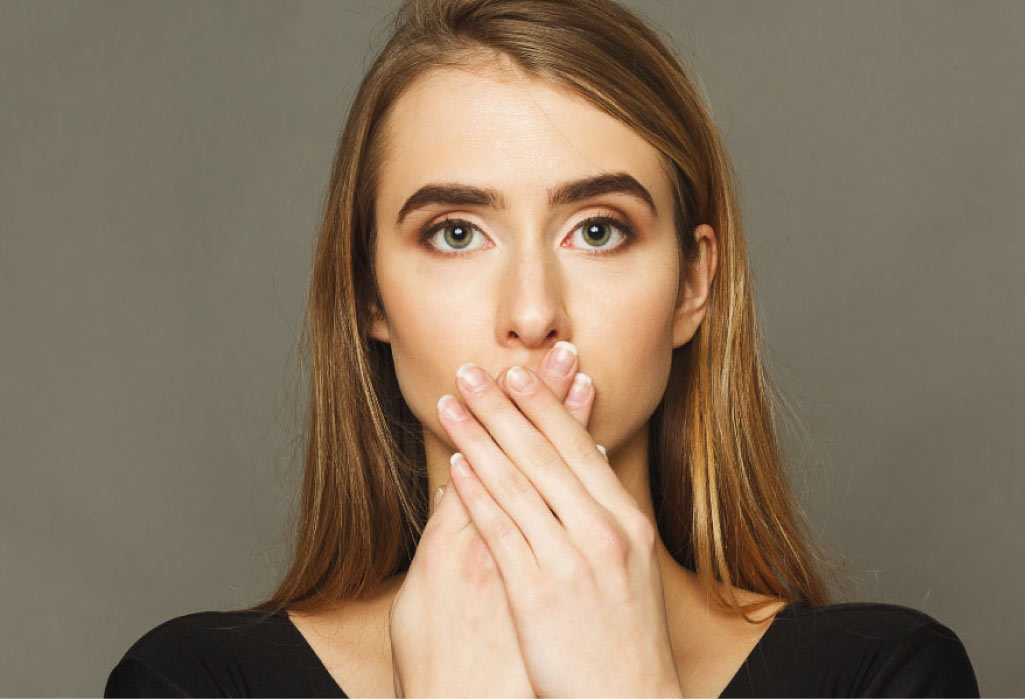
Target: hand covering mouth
{"x": 500, "y": 377}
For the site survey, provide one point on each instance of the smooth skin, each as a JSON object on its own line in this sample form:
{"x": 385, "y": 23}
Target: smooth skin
{"x": 527, "y": 278}
{"x": 430, "y": 619}
{"x": 582, "y": 579}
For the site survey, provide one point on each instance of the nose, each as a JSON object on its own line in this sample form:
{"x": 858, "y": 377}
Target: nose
{"x": 531, "y": 297}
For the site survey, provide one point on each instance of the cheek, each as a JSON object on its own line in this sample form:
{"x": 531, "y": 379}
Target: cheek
{"x": 622, "y": 325}
{"x": 628, "y": 355}
{"x": 433, "y": 328}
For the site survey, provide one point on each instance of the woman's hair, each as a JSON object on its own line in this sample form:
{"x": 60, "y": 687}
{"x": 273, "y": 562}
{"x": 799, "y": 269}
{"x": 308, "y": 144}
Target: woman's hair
{"x": 723, "y": 505}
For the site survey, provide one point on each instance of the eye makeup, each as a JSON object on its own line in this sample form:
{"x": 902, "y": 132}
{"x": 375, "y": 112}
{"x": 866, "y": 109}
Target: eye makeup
{"x": 614, "y": 220}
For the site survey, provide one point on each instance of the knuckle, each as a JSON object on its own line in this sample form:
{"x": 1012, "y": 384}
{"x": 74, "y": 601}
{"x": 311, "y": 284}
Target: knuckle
{"x": 611, "y": 544}
{"x": 543, "y": 455}
{"x": 583, "y": 446}
{"x": 640, "y": 530}
{"x": 512, "y": 482}
{"x": 492, "y": 399}
{"x": 505, "y": 529}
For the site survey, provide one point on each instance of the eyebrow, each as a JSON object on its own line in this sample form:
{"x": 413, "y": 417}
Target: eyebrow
{"x": 455, "y": 194}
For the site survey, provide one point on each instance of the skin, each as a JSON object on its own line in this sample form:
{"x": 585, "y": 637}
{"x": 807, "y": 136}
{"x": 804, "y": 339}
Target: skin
{"x": 528, "y": 278}
{"x": 452, "y": 591}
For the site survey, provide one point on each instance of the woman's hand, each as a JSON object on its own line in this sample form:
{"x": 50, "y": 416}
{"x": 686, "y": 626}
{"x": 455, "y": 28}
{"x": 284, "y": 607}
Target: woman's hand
{"x": 451, "y": 630}
{"x": 576, "y": 554}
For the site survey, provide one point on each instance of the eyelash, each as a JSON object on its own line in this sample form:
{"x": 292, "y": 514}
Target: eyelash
{"x": 628, "y": 234}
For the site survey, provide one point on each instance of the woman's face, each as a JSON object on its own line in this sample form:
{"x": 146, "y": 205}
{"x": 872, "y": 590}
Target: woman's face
{"x": 514, "y": 271}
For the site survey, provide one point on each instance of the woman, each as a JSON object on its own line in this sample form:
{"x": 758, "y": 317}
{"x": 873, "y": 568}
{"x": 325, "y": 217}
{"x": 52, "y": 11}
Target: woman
{"x": 518, "y": 178}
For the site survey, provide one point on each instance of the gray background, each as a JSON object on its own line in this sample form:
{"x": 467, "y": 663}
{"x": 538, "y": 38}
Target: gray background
{"x": 163, "y": 165}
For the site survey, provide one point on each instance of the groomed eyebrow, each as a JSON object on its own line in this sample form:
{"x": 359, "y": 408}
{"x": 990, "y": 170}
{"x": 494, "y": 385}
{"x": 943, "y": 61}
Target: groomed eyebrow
{"x": 455, "y": 194}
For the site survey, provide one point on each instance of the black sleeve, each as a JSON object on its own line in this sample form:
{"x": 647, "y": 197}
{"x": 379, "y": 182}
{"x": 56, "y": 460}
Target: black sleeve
{"x": 132, "y": 678}
{"x": 930, "y": 662}
{"x": 185, "y": 657}
{"x": 213, "y": 654}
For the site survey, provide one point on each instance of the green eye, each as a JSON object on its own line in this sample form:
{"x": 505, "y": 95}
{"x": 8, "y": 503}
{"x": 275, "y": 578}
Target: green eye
{"x": 595, "y": 229}
{"x": 457, "y": 235}
{"x": 460, "y": 237}
{"x": 596, "y": 233}
{"x": 455, "y": 232}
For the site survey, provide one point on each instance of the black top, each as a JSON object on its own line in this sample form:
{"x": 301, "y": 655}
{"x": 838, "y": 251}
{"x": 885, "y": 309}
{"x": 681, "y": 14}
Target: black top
{"x": 842, "y": 650}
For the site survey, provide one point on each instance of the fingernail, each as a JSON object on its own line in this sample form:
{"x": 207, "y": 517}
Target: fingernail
{"x": 459, "y": 464}
{"x": 519, "y": 378}
{"x": 560, "y": 362}
{"x": 438, "y": 494}
{"x": 580, "y": 389}
{"x": 471, "y": 376}
{"x": 451, "y": 407}
{"x": 602, "y": 450}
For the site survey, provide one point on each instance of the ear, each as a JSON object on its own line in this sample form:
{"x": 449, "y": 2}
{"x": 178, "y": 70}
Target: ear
{"x": 378, "y": 325}
{"x": 692, "y": 303}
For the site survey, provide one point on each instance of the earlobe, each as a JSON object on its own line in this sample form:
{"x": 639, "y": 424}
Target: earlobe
{"x": 378, "y": 325}
{"x": 696, "y": 286}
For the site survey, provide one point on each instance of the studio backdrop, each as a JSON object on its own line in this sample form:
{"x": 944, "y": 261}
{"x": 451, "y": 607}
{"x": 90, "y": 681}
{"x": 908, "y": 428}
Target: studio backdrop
{"x": 162, "y": 173}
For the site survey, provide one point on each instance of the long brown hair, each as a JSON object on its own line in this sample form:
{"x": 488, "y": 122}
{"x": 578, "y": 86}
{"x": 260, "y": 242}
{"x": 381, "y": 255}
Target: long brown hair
{"x": 722, "y": 498}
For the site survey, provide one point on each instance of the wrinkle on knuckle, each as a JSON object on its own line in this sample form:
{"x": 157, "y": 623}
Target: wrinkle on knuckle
{"x": 505, "y": 529}
{"x": 583, "y": 447}
{"x": 512, "y": 482}
{"x": 542, "y": 455}
{"x": 493, "y": 400}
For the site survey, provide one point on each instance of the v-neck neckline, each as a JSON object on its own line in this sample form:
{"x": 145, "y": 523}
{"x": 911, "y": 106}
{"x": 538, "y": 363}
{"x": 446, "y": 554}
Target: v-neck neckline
{"x": 785, "y": 611}
{"x": 309, "y": 651}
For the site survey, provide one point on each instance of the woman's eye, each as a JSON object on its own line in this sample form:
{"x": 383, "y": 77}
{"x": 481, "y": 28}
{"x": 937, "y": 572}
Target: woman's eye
{"x": 452, "y": 232}
{"x": 594, "y": 235}
{"x": 597, "y": 231}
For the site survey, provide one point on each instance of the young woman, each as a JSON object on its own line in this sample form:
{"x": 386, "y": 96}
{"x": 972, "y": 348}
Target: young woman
{"x": 531, "y": 294}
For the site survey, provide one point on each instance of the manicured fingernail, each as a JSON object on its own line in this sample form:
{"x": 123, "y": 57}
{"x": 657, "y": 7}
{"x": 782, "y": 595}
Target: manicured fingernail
{"x": 560, "y": 361}
{"x": 471, "y": 376}
{"x": 451, "y": 407}
{"x": 459, "y": 464}
{"x": 438, "y": 494}
{"x": 581, "y": 388}
{"x": 602, "y": 450}
{"x": 518, "y": 378}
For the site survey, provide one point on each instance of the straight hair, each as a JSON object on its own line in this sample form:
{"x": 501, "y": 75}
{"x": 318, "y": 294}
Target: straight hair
{"x": 723, "y": 503}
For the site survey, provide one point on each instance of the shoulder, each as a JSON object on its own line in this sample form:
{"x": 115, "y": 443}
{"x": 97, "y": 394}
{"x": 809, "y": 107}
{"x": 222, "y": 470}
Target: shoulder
{"x": 209, "y": 629}
{"x": 867, "y": 649}
{"x": 208, "y": 653}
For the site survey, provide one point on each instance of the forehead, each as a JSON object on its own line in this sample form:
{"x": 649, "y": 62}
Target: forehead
{"x": 506, "y": 130}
